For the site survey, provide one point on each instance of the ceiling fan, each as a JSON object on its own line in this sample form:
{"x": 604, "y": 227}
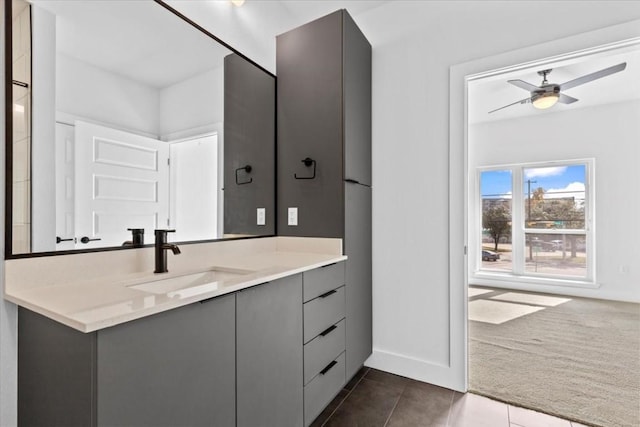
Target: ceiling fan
{"x": 548, "y": 94}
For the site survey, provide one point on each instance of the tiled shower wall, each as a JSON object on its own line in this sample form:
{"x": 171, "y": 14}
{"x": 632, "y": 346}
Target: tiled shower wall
{"x": 21, "y": 126}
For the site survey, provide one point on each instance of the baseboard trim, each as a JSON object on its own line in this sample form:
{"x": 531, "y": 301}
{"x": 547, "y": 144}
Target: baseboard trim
{"x": 417, "y": 369}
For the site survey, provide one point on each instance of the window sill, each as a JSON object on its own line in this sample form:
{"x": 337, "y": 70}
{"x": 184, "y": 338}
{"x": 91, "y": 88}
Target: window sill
{"x": 487, "y": 278}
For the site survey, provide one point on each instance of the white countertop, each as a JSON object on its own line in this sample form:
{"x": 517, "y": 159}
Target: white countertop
{"x": 108, "y": 300}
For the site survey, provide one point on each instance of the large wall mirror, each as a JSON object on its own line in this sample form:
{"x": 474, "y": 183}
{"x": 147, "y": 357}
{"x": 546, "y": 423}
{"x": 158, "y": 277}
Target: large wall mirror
{"x": 126, "y": 115}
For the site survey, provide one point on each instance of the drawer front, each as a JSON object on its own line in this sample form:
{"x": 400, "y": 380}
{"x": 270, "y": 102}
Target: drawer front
{"x": 324, "y": 348}
{"x": 324, "y": 387}
{"x": 317, "y": 282}
{"x": 323, "y": 312}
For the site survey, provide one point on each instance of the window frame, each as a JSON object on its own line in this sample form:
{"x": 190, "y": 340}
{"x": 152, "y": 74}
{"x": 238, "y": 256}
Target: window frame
{"x": 519, "y": 230}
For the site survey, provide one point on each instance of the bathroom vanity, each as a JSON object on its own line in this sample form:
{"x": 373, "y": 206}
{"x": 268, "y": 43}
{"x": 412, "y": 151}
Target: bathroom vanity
{"x": 262, "y": 345}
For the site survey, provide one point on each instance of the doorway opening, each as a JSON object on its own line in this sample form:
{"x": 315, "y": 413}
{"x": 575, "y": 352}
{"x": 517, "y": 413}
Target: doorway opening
{"x": 544, "y": 331}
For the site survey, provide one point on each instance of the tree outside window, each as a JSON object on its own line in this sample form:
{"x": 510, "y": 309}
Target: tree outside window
{"x": 549, "y": 226}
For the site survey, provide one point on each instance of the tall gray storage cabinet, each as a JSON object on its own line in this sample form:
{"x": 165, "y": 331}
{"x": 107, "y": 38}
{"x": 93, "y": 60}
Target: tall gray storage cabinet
{"x": 323, "y": 73}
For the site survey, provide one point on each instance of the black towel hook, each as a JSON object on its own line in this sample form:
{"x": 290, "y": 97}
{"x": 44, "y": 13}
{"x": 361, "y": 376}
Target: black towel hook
{"x": 308, "y": 161}
{"x": 247, "y": 169}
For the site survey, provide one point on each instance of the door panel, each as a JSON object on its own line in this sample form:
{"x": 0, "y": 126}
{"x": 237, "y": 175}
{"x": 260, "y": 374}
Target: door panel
{"x": 248, "y": 93}
{"x": 65, "y": 186}
{"x": 175, "y": 368}
{"x": 122, "y": 181}
{"x": 309, "y": 67}
{"x": 269, "y": 354}
{"x": 194, "y": 190}
{"x": 357, "y": 104}
{"x": 357, "y": 246}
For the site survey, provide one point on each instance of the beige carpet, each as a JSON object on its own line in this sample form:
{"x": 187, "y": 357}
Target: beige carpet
{"x": 577, "y": 359}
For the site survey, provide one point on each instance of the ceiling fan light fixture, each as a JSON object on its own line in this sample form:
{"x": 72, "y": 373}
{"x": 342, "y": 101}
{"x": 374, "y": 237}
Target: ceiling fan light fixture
{"x": 545, "y": 100}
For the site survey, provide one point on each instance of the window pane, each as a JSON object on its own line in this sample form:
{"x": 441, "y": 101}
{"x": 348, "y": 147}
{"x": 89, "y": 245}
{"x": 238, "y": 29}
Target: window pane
{"x": 557, "y": 254}
{"x": 554, "y": 197}
{"x": 495, "y": 193}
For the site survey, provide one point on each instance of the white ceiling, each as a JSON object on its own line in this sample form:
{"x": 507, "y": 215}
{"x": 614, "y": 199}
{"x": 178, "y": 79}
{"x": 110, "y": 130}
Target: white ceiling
{"x": 308, "y": 10}
{"x": 492, "y": 92}
{"x": 122, "y": 36}
{"x": 136, "y": 39}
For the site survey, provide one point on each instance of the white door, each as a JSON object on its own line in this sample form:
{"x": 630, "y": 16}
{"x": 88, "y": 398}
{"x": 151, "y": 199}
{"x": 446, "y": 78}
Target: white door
{"x": 122, "y": 181}
{"x": 194, "y": 189}
{"x": 65, "y": 187}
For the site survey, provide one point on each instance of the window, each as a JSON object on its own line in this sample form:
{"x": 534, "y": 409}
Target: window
{"x": 496, "y": 192}
{"x": 536, "y": 220}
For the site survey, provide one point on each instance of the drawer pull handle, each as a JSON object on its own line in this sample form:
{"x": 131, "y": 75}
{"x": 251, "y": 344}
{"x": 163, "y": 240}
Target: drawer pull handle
{"x": 326, "y": 294}
{"x": 328, "y": 368}
{"x": 328, "y": 330}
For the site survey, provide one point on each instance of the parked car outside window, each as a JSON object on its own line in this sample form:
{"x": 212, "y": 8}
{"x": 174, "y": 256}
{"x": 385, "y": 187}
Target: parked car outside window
{"x": 490, "y": 256}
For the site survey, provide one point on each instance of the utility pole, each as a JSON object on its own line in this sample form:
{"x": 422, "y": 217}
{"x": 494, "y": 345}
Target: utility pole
{"x": 529, "y": 182}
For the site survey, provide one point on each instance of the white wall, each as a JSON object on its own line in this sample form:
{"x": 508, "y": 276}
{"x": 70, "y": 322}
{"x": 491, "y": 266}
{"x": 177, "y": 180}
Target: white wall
{"x": 607, "y": 133}
{"x": 250, "y": 29}
{"x": 43, "y": 191}
{"x": 415, "y": 44}
{"x": 192, "y": 105}
{"x": 106, "y": 98}
{"x": 8, "y": 311}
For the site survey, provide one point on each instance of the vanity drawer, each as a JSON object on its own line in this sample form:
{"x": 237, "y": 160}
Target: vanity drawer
{"x": 324, "y": 387}
{"x": 324, "y": 348}
{"x": 317, "y": 282}
{"x": 322, "y": 312}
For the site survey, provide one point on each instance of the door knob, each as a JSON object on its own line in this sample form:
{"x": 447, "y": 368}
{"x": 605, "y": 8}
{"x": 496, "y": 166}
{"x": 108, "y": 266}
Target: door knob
{"x": 60, "y": 239}
{"x": 86, "y": 240}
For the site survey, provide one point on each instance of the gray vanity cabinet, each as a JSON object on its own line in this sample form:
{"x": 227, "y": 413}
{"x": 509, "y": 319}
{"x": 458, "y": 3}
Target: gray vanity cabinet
{"x": 172, "y": 368}
{"x": 249, "y": 140}
{"x": 324, "y": 113}
{"x": 324, "y": 337}
{"x": 269, "y": 351}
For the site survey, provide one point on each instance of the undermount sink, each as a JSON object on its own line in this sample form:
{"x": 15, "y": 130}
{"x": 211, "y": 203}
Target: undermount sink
{"x": 190, "y": 284}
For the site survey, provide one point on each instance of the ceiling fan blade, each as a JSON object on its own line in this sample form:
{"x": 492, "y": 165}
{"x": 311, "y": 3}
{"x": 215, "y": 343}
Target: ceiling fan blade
{"x": 566, "y": 99}
{"x": 593, "y": 76}
{"x": 522, "y": 101}
{"x": 524, "y": 85}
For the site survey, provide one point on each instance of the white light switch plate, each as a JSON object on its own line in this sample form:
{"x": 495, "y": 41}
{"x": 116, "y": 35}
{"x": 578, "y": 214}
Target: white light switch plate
{"x": 261, "y": 216}
{"x": 293, "y": 216}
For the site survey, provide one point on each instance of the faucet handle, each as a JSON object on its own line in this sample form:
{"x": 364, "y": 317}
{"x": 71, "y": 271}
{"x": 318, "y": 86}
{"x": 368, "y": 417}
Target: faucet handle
{"x": 163, "y": 232}
{"x": 137, "y": 236}
{"x": 161, "y": 235}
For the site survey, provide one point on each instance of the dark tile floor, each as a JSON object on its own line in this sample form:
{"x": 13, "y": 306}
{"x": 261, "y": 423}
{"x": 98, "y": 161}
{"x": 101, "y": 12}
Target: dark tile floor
{"x": 376, "y": 398}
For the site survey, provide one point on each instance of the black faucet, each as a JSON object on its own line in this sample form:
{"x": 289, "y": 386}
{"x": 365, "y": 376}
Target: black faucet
{"x": 161, "y": 250}
{"x": 137, "y": 238}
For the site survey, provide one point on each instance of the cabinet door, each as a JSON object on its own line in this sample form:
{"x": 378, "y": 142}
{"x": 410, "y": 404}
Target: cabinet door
{"x": 173, "y": 368}
{"x": 269, "y": 349}
{"x": 309, "y": 92}
{"x": 56, "y": 373}
{"x": 357, "y": 103}
{"x": 357, "y": 246}
{"x": 249, "y": 139}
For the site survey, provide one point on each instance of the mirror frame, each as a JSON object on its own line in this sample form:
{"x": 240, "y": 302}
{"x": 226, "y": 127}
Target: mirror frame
{"x": 8, "y": 86}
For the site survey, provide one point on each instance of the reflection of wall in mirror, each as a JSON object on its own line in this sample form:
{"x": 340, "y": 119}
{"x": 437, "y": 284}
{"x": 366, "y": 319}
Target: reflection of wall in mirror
{"x": 78, "y": 90}
{"x": 193, "y": 188}
{"x": 21, "y": 226}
